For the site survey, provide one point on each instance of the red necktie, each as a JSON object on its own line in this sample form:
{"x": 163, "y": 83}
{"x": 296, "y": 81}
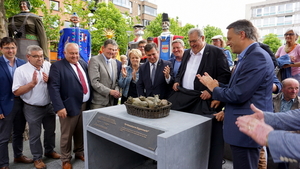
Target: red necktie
{"x": 81, "y": 78}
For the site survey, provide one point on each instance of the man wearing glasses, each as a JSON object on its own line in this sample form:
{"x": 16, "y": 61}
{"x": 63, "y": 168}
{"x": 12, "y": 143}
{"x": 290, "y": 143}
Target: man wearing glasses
{"x": 11, "y": 113}
{"x": 30, "y": 83}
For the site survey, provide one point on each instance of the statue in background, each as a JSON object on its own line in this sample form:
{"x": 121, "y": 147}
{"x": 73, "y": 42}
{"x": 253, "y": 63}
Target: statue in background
{"x": 77, "y": 35}
{"x": 28, "y": 29}
{"x": 164, "y": 41}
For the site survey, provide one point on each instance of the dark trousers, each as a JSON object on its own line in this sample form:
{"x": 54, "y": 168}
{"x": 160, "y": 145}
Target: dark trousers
{"x": 216, "y": 145}
{"x": 36, "y": 117}
{"x": 15, "y": 121}
{"x": 245, "y": 158}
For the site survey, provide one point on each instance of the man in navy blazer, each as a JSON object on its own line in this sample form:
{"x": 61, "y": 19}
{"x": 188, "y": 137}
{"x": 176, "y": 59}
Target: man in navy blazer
{"x": 161, "y": 84}
{"x": 69, "y": 95}
{"x": 251, "y": 82}
{"x": 11, "y": 113}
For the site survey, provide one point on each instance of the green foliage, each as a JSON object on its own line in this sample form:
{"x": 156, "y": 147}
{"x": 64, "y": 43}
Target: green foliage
{"x": 109, "y": 17}
{"x": 51, "y": 24}
{"x": 273, "y": 41}
{"x": 211, "y": 31}
{"x": 154, "y": 29}
{"x": 12, "y": 7}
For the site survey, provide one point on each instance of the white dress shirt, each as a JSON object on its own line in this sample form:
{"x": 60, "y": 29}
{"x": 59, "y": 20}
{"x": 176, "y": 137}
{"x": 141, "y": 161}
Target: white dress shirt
{"x": 38, "y": 96}
{"x": 191, "y": 69}
{"x": 87, "y": 95}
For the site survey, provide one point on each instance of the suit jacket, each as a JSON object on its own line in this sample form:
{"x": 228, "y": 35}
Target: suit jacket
{"x": 101, "y": 80}
{"x": 277, "y": 102}
{"x": 160, "y": 86}
{"x": 284, "y": 145}
{"x": 6, "y": 94}
{"x": 64, "y": 87}
{"x": 251, "y": 82}
{"x": 213, "y": 62}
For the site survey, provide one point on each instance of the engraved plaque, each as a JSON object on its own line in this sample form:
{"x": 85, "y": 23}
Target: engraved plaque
{"x": 135, "y": 133}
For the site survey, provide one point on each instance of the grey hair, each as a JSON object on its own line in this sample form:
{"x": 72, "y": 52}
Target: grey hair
{"x": 110, "y": 41}
{"x": 245, "y": 26}
{"x": 31, "y": 48}
{"x": 178, "y": 41}
{"x": 68, "y": 44}
{"x": 199, "y": 32}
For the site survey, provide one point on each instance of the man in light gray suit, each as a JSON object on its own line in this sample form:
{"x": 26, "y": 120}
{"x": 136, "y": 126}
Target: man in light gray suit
{"x": 103, "y": 75}
{"x": 267, "y": 129}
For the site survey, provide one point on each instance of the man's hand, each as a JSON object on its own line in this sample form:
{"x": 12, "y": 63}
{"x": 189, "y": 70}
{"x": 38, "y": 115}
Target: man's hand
{"x": 205, "y": 95}
{"x": 2, "y": 116}
{"x": 208, "y": 81}
{"x": 167, "y": 72}
{"x": 115, "y": 93}
{"x": 215, "y": 104}
{"x": 62, "y": 113}
{"x": 35, "y": 79}
{"x": 219, "y": 116}
{"x": 254, "y": 126}
{"x": 175, "y": 85}
{"x": 45, "y": 77}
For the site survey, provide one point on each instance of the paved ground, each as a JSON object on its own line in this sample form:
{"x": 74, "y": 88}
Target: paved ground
{"x": 77, "y": 164}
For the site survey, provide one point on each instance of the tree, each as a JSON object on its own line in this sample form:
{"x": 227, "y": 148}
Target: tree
{"x": 154, "y": 29}
{"x": 211, "y": 31}
{"x": 273, "y": 41}
{"x": 3, "y": 28}
{"x": 107, "y": 16}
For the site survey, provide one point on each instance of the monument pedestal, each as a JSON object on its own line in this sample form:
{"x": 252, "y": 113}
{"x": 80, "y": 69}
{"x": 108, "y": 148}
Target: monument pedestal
{"x": 114, "y": 139}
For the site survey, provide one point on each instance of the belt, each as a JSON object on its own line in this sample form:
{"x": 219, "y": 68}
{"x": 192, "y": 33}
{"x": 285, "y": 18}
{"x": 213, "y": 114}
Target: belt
{"x": 38, "y": 106}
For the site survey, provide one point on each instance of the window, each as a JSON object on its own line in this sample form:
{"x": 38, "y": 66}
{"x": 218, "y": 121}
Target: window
{"x": 272, "y": 30}
{"x": 258, "y": 12}
{"x": 55, "y": 24}
{"x": 150, "y": 11}
{"x": 146, "y": 22}
{"x": 55, "y": 5}
{"x": 272, "y": 10}
{"x": 281, "y": 9}
{"x": 124, "y": 3}
{"x": 266, "y": 11}
{"x": 266, "y": 22}
{"x": 289, "y": 7}
{"x": 131, "y": 6}
{"x": 254, "y": 12}
{"x": 280, "y": 32}
{"x": 288, "y": 20}
{"x": 272, "y": 21}
{"x": 139, "y": 9}
{"x": 258, "y": 22}
{"x": 297, "y": 18}
{"x": 68, "y": 8}
{"x": 280, "y": 20}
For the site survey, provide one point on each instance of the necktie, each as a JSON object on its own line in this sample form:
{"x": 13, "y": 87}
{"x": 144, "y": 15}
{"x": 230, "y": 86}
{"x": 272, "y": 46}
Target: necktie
{"x": 81, "y": 78}
{"x": 110, "y": 69}
{"x": 153, "y": 73}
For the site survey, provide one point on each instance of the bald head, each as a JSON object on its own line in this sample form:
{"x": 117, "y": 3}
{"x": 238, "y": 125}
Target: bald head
{"x": 290, "y": 88}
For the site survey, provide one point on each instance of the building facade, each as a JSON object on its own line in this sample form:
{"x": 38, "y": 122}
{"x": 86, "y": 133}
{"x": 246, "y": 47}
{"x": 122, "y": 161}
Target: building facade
{"x": 144, "y": 10}
{"x": 274, "y": 16}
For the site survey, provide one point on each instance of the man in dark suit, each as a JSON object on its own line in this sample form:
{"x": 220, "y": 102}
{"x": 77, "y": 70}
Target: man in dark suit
{"x": 155, "y": 75}
{"x": 251, "y": 82}
{"x": 69, "y": 91}
{"x": 193, "y": 97}
{"x": 11, "y": 113}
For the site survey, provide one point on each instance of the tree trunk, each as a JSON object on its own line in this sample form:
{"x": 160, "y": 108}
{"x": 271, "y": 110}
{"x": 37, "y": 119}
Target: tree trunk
{"x": 3, "y": 22}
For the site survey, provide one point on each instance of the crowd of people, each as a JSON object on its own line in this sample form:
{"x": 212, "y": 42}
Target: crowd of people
{"x": 201, "y": 80}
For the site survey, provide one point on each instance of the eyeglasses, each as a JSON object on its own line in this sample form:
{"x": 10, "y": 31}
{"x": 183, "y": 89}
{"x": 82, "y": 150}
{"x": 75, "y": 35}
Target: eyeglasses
{"x": 9, "y": 48}
{"x": 289, "y": 34}
{"x": 193, "y": 41}
{"x": 37, "y": 56}
{"x": 141, "y": 46}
